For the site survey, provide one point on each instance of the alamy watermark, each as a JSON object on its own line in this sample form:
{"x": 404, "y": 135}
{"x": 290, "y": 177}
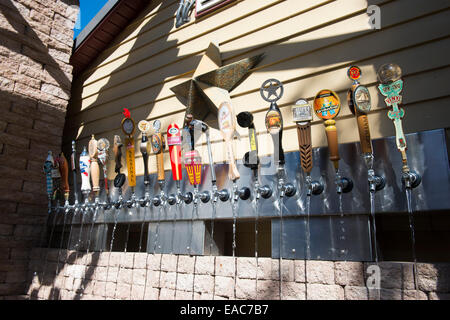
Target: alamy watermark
{"x": 374, "y": 278}
{"x": 374, "y": 13}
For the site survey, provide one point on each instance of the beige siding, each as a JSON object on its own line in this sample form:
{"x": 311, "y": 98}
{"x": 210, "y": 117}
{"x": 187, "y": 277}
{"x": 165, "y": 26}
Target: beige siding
{"x": 308, "y": 45}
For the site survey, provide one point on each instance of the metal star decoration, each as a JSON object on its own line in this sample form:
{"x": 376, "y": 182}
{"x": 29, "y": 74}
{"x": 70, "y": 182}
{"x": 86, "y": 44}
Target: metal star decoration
{"x": 210, "y": 72}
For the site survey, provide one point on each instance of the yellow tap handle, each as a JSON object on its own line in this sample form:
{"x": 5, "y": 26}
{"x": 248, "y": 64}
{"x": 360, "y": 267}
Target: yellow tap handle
{"x": 129, "y": 144}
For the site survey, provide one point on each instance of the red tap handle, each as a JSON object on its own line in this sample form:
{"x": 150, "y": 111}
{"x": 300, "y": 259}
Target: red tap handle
{"x": 174, "y": 143}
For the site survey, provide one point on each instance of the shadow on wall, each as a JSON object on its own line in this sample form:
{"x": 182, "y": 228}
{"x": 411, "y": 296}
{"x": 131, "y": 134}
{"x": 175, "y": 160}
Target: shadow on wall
{"x": 32, "y": 123}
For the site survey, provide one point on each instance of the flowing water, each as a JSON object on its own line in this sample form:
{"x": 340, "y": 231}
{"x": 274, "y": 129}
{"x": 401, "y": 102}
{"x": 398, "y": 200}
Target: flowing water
{"x": 280, "y": 260}
{"x": 78, "y": 245}
{"x": 142, "y": 229}
{"x": 156, "y": 244}
{"x": 234, "y": 211}
{"x": 70, "y": 237}
{"x": 94, "y": 218}
{"x": 174, "y": 222}
{"x": 111, "y": 246}
{"x": 307, "y": 228}
{"x": 374, "y": 228}
{"x": 50, "y": 241}
{"x": 255, "y": 204}
{"x": 412, "y": 229}
{"x": 213, "y": 217}
{"x": 127, "y": 237}
{"x": 234, "y": 245}
{"x": 59, "y": 250}
{"x": 342, "y": 237}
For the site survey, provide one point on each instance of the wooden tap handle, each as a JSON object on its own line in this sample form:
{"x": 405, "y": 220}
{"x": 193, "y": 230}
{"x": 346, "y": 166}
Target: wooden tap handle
{"x": 64, "y": 170}
{"x": 332, "y": 137}
{"x": 158, "y": 150}
{"x": 233, "y": 172}
{"x": 95, "y": 169}
{"x": 129, "y": 144}
{"x": 305, "y": 145}
{"x": 95, "y": 175}
{"x": 160, "y": 158}
{"x": 364, "y": 132}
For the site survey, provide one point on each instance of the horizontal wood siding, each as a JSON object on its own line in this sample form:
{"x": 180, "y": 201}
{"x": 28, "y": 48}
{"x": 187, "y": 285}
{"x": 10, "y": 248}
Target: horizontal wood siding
{"x": 308, "y": 45}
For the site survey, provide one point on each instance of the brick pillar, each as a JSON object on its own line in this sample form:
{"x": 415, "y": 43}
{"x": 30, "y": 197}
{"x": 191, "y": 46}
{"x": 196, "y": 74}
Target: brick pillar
{"x": 36, "y": 39}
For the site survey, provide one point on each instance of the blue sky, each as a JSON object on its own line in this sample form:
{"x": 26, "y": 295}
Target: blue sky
{"x": 88, "y": 10}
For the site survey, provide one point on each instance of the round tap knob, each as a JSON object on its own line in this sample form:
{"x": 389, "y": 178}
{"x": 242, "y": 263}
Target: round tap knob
{"x": 205, "y": 196}
{"x": 223, "y": 195}
{"x": 172, "y": 199}
{"x": 411, "y": 179}
{"x": 156, "y": 201}
{"x": 316, "y": 188}
{"x": 344, "y": 185}
{"x": 290, "y": 190}
{"x": 243, "y": 193}
{"x": 265, "y": 191}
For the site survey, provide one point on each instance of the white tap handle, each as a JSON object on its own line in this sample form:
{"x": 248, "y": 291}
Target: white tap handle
{"x": 85, "y": 169}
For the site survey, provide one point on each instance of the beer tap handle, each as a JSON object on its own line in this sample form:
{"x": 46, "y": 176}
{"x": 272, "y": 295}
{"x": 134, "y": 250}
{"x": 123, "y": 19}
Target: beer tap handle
{"x": 302, "y": 115}
{"x": 364, "y": 132}
{"x": 64, "y": 170}
{"x": 120, "y": 178}
{"x": 274, "y": 119}
{"x": 327, "y": 106}
{"x": 95, "y": 169}
{"x": 251, "y": 160}
{"x": 48, "y": 174}
{"x": 103, "y": 148}
{"x": 144, "y": 127}
{"x": 304, "y": 142}
{"x": 117, "y": 153}
{"x": 129, "y": 142}
{"x": 144, "y": 143}
{"x": 333, "y": 145}
{"x": 74, "y": 170}
{"x": 85, "y": 171}
{"x": 200, "y": 125}
{"x": 128, "y": 128}
{"x": 158, "y": 145}
{"x": 359, "y": 102}
{"x": 174, "y": 143}
{"x": 227, "y": 128}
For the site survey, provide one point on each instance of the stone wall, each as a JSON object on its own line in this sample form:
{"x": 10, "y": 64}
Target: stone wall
{"x": 140, "y": 276}
{"x": 36, "y": 39}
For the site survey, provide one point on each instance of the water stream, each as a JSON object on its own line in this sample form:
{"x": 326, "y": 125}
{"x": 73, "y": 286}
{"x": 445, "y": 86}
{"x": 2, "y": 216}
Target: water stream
{"x": 234, "y": 211}
{"x": 59, "y": 250}
{"x": 307, "y": 228}
{"x": 174, "y": 222}
{"x": 94, "y": 217}
{"x": 111, "y": 247}
{"x": 413, "y": 235}
{"x": 343, "y": 252}
{"x": 50, "y": 243}
{"x": 280, "y": 260}
{"x": 156, "y": 243}
{"x": 373, "y": 235}
{"x": 213, "y": 217}
{"x": 127, "y": 237}
{"x": 142, "y": 229}
{"x": 255, "y": 204}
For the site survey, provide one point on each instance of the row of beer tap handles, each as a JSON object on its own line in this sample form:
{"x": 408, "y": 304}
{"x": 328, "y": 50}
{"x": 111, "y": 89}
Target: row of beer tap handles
{"x": 326, "y": 106}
